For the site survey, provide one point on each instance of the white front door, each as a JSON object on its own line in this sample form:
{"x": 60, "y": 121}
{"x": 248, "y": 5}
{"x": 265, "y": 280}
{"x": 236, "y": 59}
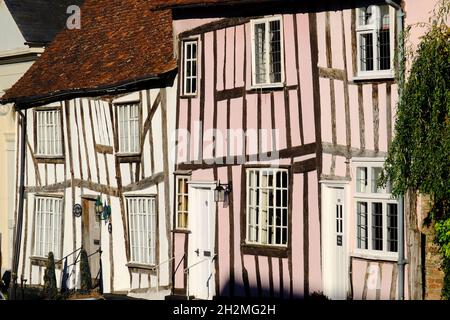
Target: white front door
{"x": 334, "y": 237}
{"x": 201, "y": 240}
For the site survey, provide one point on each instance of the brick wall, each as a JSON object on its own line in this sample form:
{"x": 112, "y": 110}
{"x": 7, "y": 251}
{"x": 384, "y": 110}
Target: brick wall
{"x": 434, "y": 275}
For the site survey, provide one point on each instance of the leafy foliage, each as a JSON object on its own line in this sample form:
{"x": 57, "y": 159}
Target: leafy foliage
{"x": 419, "y": 156}
{"x": 50, "y": 287}
{"x": 85, "y": 272}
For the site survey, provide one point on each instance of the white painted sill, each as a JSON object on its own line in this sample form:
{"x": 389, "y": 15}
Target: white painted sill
{"x": 375, "y": 256}
{"x": 267, "y": 86}
{"x": 374, "y": 76}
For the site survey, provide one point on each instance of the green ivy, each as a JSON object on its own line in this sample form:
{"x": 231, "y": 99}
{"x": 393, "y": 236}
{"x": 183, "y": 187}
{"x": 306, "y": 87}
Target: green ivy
{"x": 419, "y": 156}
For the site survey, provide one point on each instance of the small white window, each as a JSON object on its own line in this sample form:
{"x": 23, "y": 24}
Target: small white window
{"x": 48, "y": 226}
{"x": 129, "y": 132}
{"x": 267, "y": 206}
{"x": 190, "y": 68}
{"x": 267, "y": 52}
{"x": 375, "y": 40}
{"x": 49, "y": 138}
{"x": 142, "y": 229}
{"x": 376, "y": 212}
{"x": 182, "y": 202}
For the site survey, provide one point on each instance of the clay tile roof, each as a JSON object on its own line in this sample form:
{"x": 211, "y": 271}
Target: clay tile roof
{"x": 119, "y": 43}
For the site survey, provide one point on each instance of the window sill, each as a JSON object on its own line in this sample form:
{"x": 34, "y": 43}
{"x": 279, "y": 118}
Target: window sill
{"x": 189, "y": 96}
{"x": 50, "y": 159}
{"x": 265, "y": 250}
{"x": 374, "y": 77}
{"x": 42, "y": 262}
{"x": 137, "y": 267}
{"x": 185, "y": 231}
{"x": 128, "y": 157}
{"x": 274, "y": 86}
{"x": 375, "y": 256}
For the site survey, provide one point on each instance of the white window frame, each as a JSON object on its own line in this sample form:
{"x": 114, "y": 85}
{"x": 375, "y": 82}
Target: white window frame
{"x": 177, "y": 195}
{"x": 267, "y": 21}
{"x": 373, "y": 29}
{"x": 142, "y": 229}
{"x": 48, "y": 226}
{"x": 186, "y": 61}
{"x": 124, "y": 110}
{"x": 48, "y": 146}
{"x": 383, "y": 197}
{"x": 283, "y": 224}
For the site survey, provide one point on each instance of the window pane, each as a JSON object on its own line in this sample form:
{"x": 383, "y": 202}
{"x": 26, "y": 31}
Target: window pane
{"x": 275, "y": 51}
{"x": 384, "y": 49}
{"x": 392, "y": 227}
{"x": 366, "y": 51}
{"x": 362, "y": 225}
{"x": 260, "y": 53}
{"x": 376, "y": 174}
{"x": 377, "y": 226}
{"x": 361, "y": 179}
{"x": 366, "y": 16}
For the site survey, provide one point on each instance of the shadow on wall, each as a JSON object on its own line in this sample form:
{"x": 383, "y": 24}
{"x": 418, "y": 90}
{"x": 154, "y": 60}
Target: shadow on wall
{"x": 240, "y": 290}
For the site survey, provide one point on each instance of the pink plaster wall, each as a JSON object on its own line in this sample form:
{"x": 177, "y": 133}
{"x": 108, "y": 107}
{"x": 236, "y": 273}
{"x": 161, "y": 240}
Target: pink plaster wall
{"x": 297, "y": 233}
{"x": 315, "y": 265}
{"x": 240, "y": 54}
{"x": 340, "y": 113}
{"x": 230, "y": 53}
{"x": 306, "y": 83}
{"x": 280, "y": 121}
{"x": 368, "y": 116}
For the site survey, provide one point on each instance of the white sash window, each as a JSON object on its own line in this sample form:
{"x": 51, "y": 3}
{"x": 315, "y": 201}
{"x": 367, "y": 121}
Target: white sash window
{"x": 49, "y": 138}
{"x": 375, "y": 40}
{"x": 267, "y": 52}
{"x": 48, "y": 226}
{"x": 142, "y": 229}
{"x": 267, "y": 206}
{"x": 129, "y": 131}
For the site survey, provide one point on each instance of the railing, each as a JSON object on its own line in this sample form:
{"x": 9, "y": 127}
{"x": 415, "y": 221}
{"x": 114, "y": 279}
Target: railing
{"x": 175, "y": 271}
{"x": 186, "y": 271}
{"x": 65, "y": 277}
{"x": 157, "y": 267}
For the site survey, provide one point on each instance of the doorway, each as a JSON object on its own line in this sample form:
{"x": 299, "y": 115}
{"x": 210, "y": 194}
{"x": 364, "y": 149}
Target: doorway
{"x": 201, "y": 240}
{"x": 335, "y": 241}
{"x": 91, "y": 236}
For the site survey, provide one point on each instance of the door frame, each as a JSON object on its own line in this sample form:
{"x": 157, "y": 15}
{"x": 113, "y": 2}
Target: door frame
{"x": 327, "y": 237}
{"x": 193, "y": 188}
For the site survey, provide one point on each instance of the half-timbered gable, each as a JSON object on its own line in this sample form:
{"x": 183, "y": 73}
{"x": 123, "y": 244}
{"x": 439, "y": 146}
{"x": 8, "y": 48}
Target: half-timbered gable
{"x": 290, "y": 107}
{"x": 99, "y": 113}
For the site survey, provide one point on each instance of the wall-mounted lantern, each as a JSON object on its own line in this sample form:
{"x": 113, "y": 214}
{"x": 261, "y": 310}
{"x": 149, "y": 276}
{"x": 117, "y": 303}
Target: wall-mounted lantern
{"x": 103, "y": 211}
{"x": 222, "y": 191}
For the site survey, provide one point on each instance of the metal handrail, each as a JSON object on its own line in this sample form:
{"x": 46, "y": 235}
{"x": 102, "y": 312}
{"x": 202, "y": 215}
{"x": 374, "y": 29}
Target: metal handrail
{"x": 175, "y": 271}
{"x": 157, "y": 267}
{"x": 61, "y": 260}
{"x": 186, "y": 271}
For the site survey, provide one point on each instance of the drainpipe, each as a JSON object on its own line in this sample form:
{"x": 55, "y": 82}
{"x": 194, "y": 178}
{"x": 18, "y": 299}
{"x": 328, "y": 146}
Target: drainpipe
{"x": 401, "y": 219}
{"x": 18, "y": 231}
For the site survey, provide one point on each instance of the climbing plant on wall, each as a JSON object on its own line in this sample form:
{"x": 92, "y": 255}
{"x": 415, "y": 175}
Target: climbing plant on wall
{"x": 419, "y": 156}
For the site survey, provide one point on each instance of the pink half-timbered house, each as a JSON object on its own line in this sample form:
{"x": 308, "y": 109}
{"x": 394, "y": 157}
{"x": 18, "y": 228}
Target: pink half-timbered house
{"x": 289, "y": 107}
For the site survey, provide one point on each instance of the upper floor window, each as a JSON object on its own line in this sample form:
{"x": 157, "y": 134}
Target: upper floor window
{"x": 376, "y": 212}
{"x": 48, "y": 226}
{"x": 142, "y": 229}
{"x": 129, "y": 128}
{"x": 375, "y": 41}
{"x": 190, "y": 68}
{"x": 182, "y": 201}
{"x": 267, "y": 52}
{"x": 49, "y": 137}
{"x": 267, "y": 206}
